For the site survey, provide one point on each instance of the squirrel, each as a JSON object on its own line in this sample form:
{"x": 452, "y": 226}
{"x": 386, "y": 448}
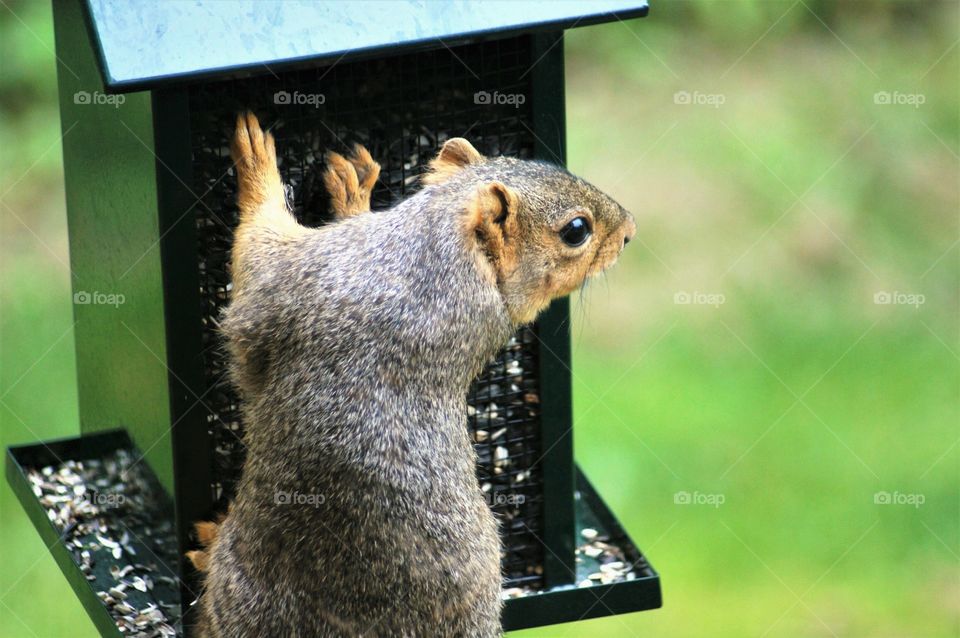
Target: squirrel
{"x": 353, "y": 346}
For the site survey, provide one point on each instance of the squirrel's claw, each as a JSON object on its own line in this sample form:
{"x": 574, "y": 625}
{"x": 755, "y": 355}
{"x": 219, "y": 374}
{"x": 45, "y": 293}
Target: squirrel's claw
{"x": 350, "y": 181}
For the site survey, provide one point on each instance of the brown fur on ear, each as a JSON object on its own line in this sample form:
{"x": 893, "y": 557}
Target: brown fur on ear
{"x": 455, "y": 154}
{"x": 492, "y": 219}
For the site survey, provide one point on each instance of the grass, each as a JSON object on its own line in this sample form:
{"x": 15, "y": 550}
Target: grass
{"x": 797, "y": 398}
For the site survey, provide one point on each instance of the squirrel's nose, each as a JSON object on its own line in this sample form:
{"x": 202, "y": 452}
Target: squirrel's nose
{"x": 630, "y": 231}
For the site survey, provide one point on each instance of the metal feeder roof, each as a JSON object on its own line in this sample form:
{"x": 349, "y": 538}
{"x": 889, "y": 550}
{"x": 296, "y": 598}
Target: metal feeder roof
{"x": 143, "y": 45}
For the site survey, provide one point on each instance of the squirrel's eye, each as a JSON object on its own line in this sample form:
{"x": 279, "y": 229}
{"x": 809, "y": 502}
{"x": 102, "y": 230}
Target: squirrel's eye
{"x": 575, "y": 232}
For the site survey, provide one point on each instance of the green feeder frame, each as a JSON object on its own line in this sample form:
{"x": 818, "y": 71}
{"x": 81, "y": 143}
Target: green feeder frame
{"x": 148, "y": 96}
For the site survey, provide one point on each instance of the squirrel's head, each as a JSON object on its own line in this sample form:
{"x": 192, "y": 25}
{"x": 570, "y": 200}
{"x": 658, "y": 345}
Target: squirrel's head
{"x": 538, "y": 231}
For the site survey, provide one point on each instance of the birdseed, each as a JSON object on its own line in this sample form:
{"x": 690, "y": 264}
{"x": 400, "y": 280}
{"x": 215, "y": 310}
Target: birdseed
{"x": 106, "y": 511}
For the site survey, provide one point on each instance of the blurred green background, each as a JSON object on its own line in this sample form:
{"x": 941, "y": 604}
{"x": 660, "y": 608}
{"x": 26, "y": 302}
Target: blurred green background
{"x": 780, "y": 193}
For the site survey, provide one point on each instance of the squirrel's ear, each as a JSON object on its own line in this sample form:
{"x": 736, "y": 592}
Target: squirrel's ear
{"x": 491, "y": 221}
{"x": 455, "y": 154}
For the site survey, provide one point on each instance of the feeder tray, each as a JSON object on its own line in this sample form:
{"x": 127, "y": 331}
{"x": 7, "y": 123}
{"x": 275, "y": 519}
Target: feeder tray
{"x": 117, "y": 533}
{"x": 109, "y": 525}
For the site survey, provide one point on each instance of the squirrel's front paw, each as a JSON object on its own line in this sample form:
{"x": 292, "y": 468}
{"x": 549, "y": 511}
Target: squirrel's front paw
{"x": 255, "y": 157}
{"x": 350, "y": 181}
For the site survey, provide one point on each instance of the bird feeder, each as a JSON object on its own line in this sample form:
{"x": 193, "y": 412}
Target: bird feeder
{"x": 148, "y": 98}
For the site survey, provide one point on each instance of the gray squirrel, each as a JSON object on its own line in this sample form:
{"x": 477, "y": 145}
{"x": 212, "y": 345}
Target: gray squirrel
{"x": 353, "y": 346}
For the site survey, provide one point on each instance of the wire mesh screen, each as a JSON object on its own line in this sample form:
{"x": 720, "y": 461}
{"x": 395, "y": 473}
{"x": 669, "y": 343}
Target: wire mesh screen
{"x": 402, "y": 109}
